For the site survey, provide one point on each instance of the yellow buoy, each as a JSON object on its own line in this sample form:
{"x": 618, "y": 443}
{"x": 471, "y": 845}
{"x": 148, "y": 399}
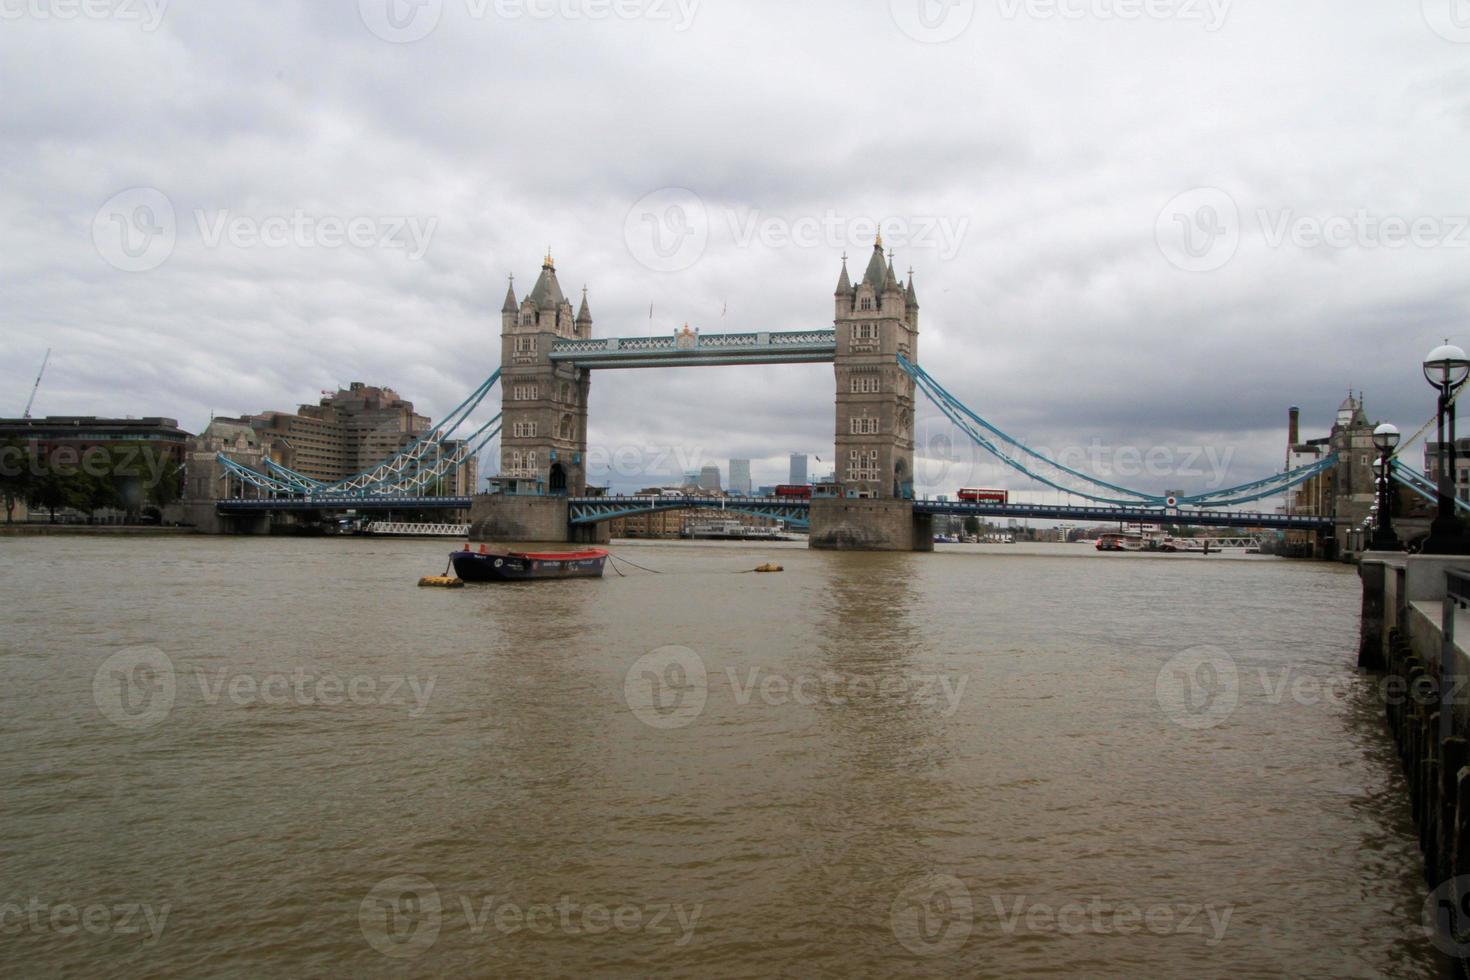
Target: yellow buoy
{"x": 441, "y": 582}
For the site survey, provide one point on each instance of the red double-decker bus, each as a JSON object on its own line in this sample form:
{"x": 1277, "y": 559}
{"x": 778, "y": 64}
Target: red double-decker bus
{"x": 802, "y": 490}
{"x": 972, "y": 495}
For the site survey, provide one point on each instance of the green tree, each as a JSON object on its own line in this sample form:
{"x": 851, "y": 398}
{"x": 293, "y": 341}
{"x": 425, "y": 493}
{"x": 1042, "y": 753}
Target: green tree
{"x": 50, "y": 491}
{"x": 90, "y": 493}
{"x": 168, "y": 485}
{"x": 16, "y": 477}
{"x": 972, "y": 525}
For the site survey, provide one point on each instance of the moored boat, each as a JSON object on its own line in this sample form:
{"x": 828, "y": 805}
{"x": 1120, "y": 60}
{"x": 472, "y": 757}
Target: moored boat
{"x": 518, "y": 566}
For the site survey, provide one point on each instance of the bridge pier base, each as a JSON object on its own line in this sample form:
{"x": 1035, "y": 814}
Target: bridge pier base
{"x": 205, "y": 518}
{"x": 599, "y": 533}
{"x": 507, "y": 517}
{"x": 840, "y": 524}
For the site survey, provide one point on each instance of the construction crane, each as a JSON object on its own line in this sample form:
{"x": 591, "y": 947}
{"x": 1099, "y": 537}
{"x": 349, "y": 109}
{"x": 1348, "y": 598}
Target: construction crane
{"x": 32, "y": 400}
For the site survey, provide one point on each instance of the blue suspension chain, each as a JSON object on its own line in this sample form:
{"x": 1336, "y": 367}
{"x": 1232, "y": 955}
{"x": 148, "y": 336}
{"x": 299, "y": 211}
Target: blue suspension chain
{"x": 949, "y": 405}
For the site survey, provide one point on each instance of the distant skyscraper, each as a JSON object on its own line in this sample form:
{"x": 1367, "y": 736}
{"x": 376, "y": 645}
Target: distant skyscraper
{"x": 740, "y": 476}
{"x": 709, "y": 478}
{"x": 798, "y": 468}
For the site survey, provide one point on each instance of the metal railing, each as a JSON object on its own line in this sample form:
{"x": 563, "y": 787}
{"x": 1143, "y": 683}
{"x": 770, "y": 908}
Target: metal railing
{"x": 1456, "y": 598}
{"x": 1457, "y": 587}
{"x": 418, "y": 529}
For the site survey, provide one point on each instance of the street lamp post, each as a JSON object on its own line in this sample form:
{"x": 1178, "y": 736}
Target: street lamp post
{"x": 1385, "y": 438}
{"x": 1445, "y": 369}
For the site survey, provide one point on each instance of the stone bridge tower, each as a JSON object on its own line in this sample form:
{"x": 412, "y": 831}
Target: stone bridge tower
{"x": 543, "y": 439}
{"x": 877, "y": 320}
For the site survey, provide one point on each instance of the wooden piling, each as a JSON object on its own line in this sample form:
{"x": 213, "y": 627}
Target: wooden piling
{"x": 1453, "y": 754}
{"x": 1460, "y": 858}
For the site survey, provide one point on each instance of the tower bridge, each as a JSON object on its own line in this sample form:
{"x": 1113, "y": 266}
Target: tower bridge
{"x": 548, "y": 357}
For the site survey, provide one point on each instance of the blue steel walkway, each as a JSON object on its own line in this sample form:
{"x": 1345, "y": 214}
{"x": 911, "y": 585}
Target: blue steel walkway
{"x": 689, "y": 348}
{"x": 796, "y": 512}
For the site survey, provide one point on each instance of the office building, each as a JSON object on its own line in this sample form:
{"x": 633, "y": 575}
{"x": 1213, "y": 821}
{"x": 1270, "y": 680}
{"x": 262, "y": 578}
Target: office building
{"x": 347, "y": 432}
{"x": 740, "y": 477}
{"x": 798, "y": 469}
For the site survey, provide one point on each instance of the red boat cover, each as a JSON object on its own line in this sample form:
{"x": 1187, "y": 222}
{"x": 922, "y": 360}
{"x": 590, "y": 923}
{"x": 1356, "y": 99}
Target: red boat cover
{"x": 561, "y": 555}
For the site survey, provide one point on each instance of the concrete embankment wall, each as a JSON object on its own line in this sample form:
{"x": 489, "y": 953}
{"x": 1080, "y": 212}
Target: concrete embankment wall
{"x": 1425, "y": 704}
{"x": 102, "y": 530}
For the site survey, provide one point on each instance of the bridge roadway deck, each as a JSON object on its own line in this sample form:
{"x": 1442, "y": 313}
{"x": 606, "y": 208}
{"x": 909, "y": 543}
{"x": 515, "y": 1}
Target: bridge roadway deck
{"x": 594, "y": 510}
{"x": 604, "y": 508}
{"x": 591, "y": 510}
{"x": 1131, "y": 515}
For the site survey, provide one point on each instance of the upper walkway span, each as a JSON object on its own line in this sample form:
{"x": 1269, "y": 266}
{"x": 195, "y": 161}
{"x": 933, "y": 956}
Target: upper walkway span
{"x": 688, "y": 348}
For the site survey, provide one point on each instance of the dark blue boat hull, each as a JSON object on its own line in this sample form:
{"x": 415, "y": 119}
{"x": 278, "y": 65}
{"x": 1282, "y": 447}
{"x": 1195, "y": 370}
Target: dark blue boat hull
{"x": 502, "y": 566}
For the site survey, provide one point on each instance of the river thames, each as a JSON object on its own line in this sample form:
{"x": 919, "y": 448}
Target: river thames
{"x": 280, "y": 757}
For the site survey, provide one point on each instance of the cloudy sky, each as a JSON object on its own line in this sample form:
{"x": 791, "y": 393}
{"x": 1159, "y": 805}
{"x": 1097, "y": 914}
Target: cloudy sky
{"x": 1151, "y": 224}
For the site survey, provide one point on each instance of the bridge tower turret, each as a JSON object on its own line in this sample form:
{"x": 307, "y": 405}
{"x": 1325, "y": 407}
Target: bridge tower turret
{"x": 876, "y": 320}
{"x": 543, "y": 439}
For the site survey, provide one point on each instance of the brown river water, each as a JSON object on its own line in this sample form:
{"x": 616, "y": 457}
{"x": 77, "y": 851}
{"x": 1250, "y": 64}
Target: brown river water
{"x": 279, "y": 757}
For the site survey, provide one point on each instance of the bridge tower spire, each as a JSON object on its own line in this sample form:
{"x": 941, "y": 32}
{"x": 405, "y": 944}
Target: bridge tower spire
{"x": 876, "y": 321}
{"x": 543, "y": 444}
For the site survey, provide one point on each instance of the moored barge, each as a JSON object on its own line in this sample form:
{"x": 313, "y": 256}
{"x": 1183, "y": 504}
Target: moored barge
{"x": 486, "y": 565}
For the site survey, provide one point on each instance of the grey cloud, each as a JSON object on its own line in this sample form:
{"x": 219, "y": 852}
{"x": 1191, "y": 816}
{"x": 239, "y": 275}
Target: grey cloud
{"x": 1059, "y": 317}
